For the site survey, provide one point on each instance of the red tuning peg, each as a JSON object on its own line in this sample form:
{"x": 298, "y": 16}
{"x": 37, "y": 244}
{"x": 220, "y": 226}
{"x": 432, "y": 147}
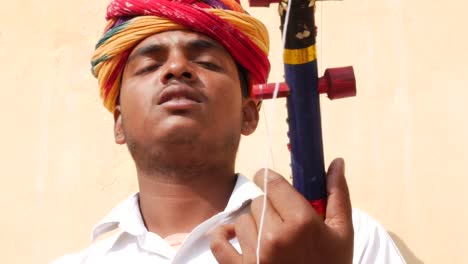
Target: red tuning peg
{"x": 338, "y": 82}
{"x": 266, "y": 90}
{"x": 262, "y": 3}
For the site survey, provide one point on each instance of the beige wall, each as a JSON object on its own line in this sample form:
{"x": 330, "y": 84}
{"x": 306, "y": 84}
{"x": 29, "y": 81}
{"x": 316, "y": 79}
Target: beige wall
{"x": 404, "y": 137}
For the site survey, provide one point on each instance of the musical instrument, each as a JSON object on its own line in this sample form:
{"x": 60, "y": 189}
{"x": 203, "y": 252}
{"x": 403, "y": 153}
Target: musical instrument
{"x": 302, "y": 88}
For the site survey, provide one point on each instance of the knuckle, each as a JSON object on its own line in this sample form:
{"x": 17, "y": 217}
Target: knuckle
{"x": 303, "y": 224}
{"x": 303, "y": 219}
{"x": 275, "y": 182}
{"x": 275, "y": 241}
{"x": 269, "y": 238}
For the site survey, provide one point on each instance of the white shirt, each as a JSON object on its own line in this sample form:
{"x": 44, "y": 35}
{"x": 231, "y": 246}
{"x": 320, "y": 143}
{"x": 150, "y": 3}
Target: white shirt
{"x": 135, "y": 244}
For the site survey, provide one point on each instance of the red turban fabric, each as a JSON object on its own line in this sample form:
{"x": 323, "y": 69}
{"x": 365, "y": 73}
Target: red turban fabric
{"x": 131, "y": 21}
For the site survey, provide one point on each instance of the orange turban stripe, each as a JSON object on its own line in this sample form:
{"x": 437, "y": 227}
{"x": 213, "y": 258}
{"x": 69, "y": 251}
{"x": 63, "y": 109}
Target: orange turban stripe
{"x": 131, "y": 21}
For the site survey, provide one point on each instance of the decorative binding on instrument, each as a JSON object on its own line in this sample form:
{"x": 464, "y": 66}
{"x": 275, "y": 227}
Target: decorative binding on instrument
{"x": 300, "y": 56}
{"x": 319, "y": 206}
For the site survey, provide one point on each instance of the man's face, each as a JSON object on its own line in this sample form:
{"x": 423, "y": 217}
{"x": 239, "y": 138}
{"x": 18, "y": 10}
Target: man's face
{"x": 181, "y": 92}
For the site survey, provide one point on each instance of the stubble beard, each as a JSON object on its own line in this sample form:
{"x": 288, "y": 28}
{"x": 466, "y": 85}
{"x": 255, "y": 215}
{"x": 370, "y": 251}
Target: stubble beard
{"x": 183, "y": 157}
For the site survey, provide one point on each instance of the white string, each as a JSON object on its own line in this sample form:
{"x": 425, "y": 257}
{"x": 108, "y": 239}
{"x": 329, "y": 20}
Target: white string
{"x": 322, "y": 26}
{"x": 269, "y": 145}
{"x": 268, "y": 131}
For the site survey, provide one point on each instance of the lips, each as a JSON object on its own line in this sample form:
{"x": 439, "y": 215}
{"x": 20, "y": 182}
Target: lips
{"x": 179, "y": 93}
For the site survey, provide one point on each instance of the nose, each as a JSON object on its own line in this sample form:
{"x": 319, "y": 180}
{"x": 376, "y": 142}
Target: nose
{"x": 178, "y": 67}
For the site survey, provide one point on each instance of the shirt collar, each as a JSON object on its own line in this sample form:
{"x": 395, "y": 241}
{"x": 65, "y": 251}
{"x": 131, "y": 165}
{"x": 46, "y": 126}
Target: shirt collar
{"x": 244, "y": 190}
{"x": 127, "y": 216}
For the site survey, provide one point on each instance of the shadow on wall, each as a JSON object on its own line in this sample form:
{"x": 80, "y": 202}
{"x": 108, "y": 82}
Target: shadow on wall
{"x": 409, "y": 256}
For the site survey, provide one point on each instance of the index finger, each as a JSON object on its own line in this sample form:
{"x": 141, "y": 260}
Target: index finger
{"x": 286, "y": 200}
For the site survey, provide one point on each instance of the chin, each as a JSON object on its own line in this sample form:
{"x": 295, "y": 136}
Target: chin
{"x": 181, "y": 133}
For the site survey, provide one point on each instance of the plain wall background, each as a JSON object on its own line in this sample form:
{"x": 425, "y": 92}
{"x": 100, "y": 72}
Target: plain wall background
{"x": 404, "y": 136}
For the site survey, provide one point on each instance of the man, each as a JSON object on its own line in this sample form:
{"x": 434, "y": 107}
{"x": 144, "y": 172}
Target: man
{"x": 176, "y": 76}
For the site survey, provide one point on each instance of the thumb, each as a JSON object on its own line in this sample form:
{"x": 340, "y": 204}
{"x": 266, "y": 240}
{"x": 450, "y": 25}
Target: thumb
{"x": 339, "y": 211}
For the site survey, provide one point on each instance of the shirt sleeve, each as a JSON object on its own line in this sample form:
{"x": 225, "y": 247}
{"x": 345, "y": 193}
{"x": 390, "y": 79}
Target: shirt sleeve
{"x": 372, "y": 244}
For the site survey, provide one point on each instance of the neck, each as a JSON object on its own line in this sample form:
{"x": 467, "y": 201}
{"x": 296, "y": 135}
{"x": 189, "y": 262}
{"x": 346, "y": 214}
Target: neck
{"x": 177, "y": 199}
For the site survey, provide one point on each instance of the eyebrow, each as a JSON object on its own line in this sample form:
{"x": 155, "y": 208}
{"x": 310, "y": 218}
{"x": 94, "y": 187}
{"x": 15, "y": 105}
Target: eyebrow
{"x": 146, "y": 51}
{"x": 203, "y": 44}
{"x": 196, "y": 45}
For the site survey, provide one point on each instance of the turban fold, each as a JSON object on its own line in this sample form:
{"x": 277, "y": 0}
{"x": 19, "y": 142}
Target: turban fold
{"x": 131, "y": 21}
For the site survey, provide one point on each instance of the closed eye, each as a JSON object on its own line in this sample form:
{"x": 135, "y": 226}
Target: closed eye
{"x": 148, "y": 69}
{"x": 209, "y": 65}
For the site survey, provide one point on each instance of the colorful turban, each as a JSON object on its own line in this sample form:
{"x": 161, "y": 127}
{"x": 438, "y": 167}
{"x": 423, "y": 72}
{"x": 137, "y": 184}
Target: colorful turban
{"x": 131, "y": 21}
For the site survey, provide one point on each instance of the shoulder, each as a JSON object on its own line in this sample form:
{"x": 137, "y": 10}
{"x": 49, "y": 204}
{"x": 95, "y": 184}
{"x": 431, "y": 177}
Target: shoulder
{"x": 75, "y": 258}
{"x": 95, "y": 250}
{"x": 372, "y": 243}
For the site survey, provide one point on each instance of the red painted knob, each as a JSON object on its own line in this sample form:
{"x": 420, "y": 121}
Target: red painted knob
{"x": 262, "y": 3}
{"x": 338, "y": 83}
{"x": 266, "y": 90}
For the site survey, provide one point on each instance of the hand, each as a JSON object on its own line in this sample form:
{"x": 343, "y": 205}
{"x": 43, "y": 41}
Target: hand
{"x": 292, "y": 232}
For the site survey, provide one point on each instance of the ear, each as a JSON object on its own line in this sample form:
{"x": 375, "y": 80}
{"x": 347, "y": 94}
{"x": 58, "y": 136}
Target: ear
{"x": 249, "y": 116}
{"x": 119, "y": 134}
